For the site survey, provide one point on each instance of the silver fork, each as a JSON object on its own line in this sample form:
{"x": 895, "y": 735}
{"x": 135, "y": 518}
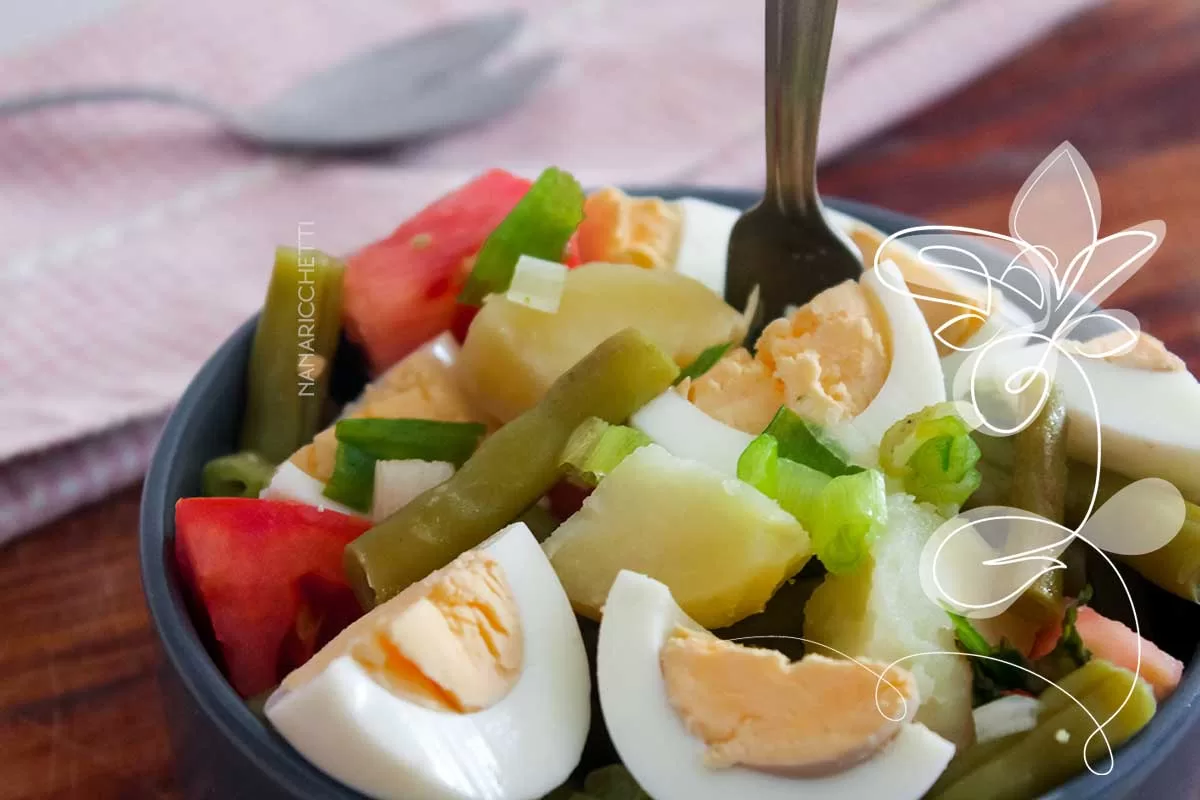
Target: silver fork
{"x": 402, "y": 90}
{"x": 785, "y": 245}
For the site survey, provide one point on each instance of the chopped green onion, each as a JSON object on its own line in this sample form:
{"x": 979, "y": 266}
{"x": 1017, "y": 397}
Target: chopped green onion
{"x": 802, "y": 442}
{"x": 852, "y": 511}
{"x": 538, "y": 284}
{"x": 799, "y": 490}
{"x": 932, "y": 453}
{"x": 404, "y": 439}
{"x": 540, "y": 225}
{"x": 707, "y": 359}
{"x": 596, "y": 447}
{"x": 353, "y": 480}
{"x": 759, "y": 465}
{"x": 843, "y": 515}
{"x": 242, "y": 474}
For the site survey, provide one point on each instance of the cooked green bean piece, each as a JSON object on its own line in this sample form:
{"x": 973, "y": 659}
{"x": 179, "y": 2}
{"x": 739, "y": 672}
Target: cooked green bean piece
{"x": 541, "y": 523}
{"x": 1039, "y": 484}
{"x": 1174, "y": 567}
{"x": 236, "y": 475}
{"x": 1053, "y": 700}
{"x": 511, "y": 469}
{"x": 288, "y": 375}
{"x": 1052, "y": 752}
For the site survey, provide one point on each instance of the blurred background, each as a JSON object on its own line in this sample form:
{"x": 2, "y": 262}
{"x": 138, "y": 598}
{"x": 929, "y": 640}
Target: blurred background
{"x": 135, "y": 237}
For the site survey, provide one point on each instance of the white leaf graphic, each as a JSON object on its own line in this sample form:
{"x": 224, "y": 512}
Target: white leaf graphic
{"x": 1058, "y": 211}
{"x": 978, "y": 563}
{"x": 1120, "y": 334}
{"x": 1100, "y": 269}
{"x": 1141, "y": 518}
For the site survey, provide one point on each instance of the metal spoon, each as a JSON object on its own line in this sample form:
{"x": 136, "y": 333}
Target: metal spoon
{"x": 399, "y": 91}
{"x": 785, "y": 245}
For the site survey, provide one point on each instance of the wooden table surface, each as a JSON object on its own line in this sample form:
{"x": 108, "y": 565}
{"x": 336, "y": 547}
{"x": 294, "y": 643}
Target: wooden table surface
{"x": 80, "y": 712}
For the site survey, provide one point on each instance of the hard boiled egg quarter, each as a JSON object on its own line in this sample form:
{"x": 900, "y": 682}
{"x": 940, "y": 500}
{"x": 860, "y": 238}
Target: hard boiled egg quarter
{"x": 704, "y": 241}
{"x": 914, "y": 379}
{"x": 863, "y": 754}
{"x": 471, "y": 685}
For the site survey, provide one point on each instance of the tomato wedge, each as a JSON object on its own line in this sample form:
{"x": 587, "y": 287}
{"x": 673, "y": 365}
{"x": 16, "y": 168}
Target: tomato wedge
{"x": 269, "y": 575}
{"x": 401, "y": 291}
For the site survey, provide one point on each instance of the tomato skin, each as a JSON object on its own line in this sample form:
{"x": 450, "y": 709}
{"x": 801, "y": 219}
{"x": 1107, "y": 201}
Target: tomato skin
{"x": 269, "y": 576}
{"x": 402, "y": 290}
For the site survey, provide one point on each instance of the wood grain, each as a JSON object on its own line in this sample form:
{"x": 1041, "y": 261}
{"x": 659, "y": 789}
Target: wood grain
{"x": 80, "y": 712}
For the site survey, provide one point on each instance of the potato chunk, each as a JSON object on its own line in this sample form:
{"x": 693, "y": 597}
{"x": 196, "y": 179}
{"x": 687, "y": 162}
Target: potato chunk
{"x": 718, "y": 544}
{"x": 513, "y": 352}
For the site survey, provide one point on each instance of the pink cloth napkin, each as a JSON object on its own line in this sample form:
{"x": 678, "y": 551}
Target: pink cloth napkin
{"x": 134, "y": 240}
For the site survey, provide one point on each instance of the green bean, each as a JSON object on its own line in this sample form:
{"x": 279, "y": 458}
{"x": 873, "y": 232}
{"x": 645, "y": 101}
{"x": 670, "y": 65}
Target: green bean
{"x": 236, "y": 475}
{"x": 1039, "y": 484}
{"x": 1052, "y": 700}
{"x": 510, "y": 470}
{"x": 294, "y": 344}
{"x": 541, "y": 523}
{"x": 1052, "y": 752}
{"x": 1174, "y": 567}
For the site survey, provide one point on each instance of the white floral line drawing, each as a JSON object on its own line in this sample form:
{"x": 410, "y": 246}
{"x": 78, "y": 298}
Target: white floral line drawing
{"x": 1056, "y": 212}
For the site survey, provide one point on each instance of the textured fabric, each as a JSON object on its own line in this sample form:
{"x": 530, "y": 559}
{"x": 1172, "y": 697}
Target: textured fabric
{"x": 133, "y": 239}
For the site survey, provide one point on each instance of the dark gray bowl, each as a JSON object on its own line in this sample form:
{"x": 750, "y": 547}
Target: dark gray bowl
{"x": 222, "y": 749}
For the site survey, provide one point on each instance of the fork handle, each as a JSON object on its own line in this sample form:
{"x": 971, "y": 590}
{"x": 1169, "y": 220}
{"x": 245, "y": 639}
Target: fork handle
{"x": 799, "y": 35}
{"x": 105, "y": 94}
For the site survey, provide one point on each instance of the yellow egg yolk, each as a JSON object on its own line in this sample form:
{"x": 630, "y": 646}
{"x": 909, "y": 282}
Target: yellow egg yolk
{"x": 453, "y": 641}
{"x": 739, "y": 390}
{"x": 826, "y": 361}
{"x": 1147, "y": 353}
{"x": 753, "y": 707}
{"x": 621, "y": 229}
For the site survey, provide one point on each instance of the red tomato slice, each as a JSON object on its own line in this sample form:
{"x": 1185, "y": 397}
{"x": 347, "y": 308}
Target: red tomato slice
{"x": 269, "y": 575}
{"x": 401, "y": 291}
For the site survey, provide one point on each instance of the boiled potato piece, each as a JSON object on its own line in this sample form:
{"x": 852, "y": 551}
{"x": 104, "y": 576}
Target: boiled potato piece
{"x": 879, "y": 611}
{"x": 719, "y": 545}
{"x": 513, "y": 353}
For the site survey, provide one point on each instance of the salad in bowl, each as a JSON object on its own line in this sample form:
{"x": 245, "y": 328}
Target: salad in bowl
{"x": 581, "y": 534}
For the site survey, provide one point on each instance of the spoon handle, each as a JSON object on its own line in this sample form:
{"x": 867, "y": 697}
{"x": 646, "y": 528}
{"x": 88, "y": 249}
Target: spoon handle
{"x": 799, "y": 34}
{"x": 104, "y": 94}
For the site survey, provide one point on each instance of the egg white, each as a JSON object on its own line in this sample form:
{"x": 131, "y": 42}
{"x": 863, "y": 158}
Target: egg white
{"x": 292, "y": 483}
{"x": 1147, "y": 419}
{"x": 914, "y": 380}
{"x": 668, "y": 762}
{"x": 521, "y": 748}
{"x": 685, "y": 431}
{"x": 704, "y": 241}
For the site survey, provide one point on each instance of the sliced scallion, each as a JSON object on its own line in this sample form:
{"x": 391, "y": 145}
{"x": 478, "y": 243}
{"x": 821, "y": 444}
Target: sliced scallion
{"x": 540, "y": 225}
